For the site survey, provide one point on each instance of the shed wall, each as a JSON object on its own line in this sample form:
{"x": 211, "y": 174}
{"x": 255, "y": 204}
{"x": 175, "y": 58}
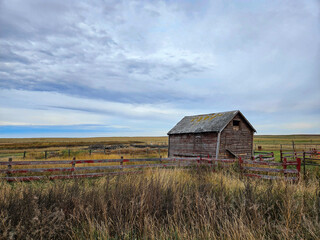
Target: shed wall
{"x": 239, "y": 141}
{"x": 192, "y": 144}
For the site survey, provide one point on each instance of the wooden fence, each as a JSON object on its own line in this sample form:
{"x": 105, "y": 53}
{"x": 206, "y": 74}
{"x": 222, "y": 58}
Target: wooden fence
{"x": 293, "y": 146}
{"x": 37, "y": 170}
{"x": 308, "y": 158}
{"x": 311, "y": 158}
{"x": 76, "y": 168}
{"x": 263, "y": 156}
{"x": 290, "y": 155}
{"x": 268, "y": 169}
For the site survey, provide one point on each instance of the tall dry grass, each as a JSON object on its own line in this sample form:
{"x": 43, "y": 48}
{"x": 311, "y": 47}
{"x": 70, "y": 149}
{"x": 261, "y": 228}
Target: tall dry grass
{"x": 161, "y": 204}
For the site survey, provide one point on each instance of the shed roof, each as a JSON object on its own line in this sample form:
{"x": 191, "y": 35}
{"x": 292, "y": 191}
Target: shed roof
{"x": 213, "y": 122}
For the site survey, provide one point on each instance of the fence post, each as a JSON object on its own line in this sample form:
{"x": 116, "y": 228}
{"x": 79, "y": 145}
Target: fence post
{"x": 24, "y": 154}
{"x": 9, "y": 167}
{"x": 159, "y": 150}
{"x": 284, "y": 164}
{"x": 240, "y": 166}
{"x": 69, "y": 152}
{"x": 281, "y": 156}
{"x": 73, "y": 165}
{"x": 121, "y": 163}
{"x": 293, "y": 146}
{"x": 304, "y": 164}
{"x": 90, "y": 152}
{"x": 45, "y": 154}
{"x": 299, "y": 167}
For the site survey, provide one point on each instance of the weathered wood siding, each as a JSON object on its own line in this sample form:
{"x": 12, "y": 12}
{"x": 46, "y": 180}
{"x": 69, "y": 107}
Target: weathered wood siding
{"x": 238, "y": 141}
{"x": 192, "y": 144}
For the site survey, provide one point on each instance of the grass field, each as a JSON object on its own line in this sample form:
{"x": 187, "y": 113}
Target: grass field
{"x": 276, "y": 142}
{"x": 35, "y": 147}
{"x": 56, "y": 143}
{"x": 31, "y": 143}
{"x": 161, "y": 204}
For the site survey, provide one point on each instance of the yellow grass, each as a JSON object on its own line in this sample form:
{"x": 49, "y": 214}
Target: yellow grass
{"x": 42, "y": 144}
{"x": 161, "y": 204}
{"x": 49, "y": 143}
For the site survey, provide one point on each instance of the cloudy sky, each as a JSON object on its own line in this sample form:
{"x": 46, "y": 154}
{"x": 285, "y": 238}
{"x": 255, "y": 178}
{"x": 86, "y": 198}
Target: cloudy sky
{"x": 129, "y": 68}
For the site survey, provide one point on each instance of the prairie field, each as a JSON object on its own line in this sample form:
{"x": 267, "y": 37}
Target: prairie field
{"x": 161, "y": 204}
{"x": 35, "y": 147}
{"x": 175, "y": 203}
{"x": 79, "y": 146}
{"x": 286, "y": 142}
{"x": 23, "y": 143}
{"x": 42, "y": 143}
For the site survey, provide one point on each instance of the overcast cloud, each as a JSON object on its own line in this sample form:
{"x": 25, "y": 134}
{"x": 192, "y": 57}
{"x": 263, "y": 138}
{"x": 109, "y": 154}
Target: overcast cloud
{"x": 126, "y": 68}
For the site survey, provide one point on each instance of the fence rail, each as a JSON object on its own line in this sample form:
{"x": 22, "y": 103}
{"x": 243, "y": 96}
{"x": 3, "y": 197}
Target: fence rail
{"x": 293, "y": 146}
{"x": 309, "y": 158}
{"x": 263, "y": 156}
{"x": 74, "y": 167}
{"x": 259, "y": 166}
{"x": 250, "y": 168}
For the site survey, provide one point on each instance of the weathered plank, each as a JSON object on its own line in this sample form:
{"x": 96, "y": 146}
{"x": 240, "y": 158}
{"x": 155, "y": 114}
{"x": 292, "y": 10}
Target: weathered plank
{"x": 260, "y": 169}
{"x": 37, "y": 162}
{"x": 28, "y": 170}
{"x": 220, "y": 160}
{"x": 268, "y": 159}
{"x": 262, "y": 163}
{"x": 60, "y": 162}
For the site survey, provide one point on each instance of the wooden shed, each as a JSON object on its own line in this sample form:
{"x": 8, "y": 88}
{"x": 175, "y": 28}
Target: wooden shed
{"x": 219, "y": 135}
